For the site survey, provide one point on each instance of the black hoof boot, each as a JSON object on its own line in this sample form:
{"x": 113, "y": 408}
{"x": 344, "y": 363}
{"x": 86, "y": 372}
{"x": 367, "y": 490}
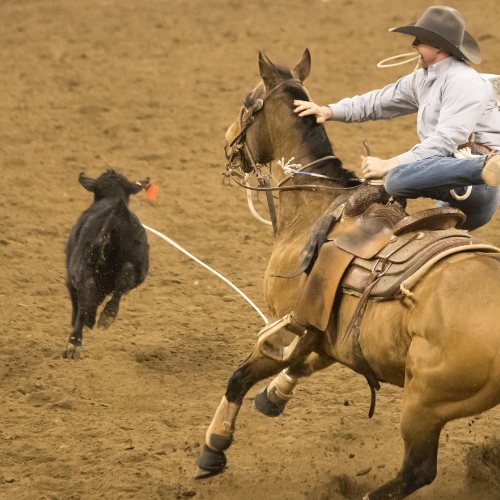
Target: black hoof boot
{"x": 209, "y": 463}
{"x": 268, "y": 407}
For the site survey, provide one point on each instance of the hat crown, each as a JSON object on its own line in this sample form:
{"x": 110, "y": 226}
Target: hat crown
{"x": 444, "y": 21}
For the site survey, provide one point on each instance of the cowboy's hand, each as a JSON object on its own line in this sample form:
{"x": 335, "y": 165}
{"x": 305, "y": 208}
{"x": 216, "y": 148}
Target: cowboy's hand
{"x": 305, "y": 108}
{"x": 373, "y": 167}
{"x": 464, "y": 153}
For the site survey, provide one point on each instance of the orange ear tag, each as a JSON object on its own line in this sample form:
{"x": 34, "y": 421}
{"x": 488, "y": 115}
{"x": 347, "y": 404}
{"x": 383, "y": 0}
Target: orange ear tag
{"x": 151, "y": 191}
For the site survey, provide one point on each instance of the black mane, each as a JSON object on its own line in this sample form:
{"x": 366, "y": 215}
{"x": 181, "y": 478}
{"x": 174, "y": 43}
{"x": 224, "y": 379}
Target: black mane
{"x": 313, "y": 133}
{"x": 316, "y": 138}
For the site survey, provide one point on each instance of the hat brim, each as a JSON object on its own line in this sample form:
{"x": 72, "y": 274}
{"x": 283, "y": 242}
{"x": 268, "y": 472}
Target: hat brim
{"x": 469, "y": 48}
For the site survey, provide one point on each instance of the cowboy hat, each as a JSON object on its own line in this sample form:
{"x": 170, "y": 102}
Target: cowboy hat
{"x": 444, "y": 27}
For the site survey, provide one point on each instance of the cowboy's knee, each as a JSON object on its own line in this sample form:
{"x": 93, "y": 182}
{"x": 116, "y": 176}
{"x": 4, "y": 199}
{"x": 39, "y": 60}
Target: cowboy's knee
{"x": 395, "y": 184}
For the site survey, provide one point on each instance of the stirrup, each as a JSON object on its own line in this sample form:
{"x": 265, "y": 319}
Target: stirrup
{"x": 280, "y": 353}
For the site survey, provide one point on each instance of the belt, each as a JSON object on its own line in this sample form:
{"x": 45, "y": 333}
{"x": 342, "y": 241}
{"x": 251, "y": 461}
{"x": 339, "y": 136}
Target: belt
{"x": 476, "y": 148}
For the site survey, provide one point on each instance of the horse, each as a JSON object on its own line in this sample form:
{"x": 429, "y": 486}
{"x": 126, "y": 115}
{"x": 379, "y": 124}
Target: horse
{"x": 442, "y": 346}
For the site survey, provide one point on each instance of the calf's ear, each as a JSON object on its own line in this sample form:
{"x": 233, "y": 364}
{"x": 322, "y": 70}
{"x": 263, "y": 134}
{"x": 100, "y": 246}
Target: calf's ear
{"x": 87, "y": 182}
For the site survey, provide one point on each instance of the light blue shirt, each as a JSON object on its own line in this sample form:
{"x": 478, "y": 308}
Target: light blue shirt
{"x": 452, "y": 101}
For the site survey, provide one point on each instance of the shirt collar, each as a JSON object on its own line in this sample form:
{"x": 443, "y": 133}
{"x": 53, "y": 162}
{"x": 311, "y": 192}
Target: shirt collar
{"x": 440, "y": 68}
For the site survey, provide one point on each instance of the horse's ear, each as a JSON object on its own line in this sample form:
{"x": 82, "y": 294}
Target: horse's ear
{"x": 87, "y": 182}
{"x": 267, "y": 71}
{"x": 303, "y": 67}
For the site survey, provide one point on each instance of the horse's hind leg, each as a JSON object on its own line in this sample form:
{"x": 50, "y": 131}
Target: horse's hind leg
{"x": 220, "y": 432}
{"x": 420, "y": 429}
{"x": 271, "y": 400}
{"x": 438, "y": 389}
{"x": 124, "y": 283}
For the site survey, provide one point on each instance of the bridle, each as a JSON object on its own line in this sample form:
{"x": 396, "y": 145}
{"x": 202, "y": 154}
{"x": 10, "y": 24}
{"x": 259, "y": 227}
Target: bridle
{"x": 241, "y": 161}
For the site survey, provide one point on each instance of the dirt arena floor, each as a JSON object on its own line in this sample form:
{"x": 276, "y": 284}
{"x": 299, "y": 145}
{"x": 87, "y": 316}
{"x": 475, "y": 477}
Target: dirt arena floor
{"x": 148, "y": 88}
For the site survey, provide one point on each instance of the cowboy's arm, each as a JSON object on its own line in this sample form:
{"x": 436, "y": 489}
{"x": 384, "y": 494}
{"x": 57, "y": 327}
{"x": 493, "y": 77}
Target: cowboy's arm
{"x": 463, "y": 103}
{"x": 394, "y": 100}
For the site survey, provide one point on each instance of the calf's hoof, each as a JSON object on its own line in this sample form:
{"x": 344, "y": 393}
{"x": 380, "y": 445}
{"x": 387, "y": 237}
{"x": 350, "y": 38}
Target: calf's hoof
{"x": 266, "y": 406}
{"x": 105, "y": 321}
{"x": 209, "y": 463}
{"x": 73, "y": 352}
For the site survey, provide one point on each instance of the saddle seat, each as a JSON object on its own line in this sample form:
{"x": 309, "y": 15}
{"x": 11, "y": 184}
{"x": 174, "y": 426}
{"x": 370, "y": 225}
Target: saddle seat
{"x": 365, "y": 236}
{"x": 401, "y": 258}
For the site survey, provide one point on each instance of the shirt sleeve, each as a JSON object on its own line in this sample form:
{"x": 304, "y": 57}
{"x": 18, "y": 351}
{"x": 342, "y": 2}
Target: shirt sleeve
{"x": 463, "y": 102}
{"x": 396, "y": 99}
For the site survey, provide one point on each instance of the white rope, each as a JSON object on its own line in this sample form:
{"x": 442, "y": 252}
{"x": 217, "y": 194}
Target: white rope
{"x": 252, "y": 208}
{"x": 173, "y": 243}
{"x": 463, "y": 154}
{"x": 461, "y": 197}
{"x": 289, "y": 170}
{"x": 382, "y": 65}
{"x": 250, "y": 203}
{"x": 288, "y": 166}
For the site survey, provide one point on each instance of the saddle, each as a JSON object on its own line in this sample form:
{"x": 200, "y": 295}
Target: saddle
{"x": 371, "y": 251}
{"x": 376, "y": 247}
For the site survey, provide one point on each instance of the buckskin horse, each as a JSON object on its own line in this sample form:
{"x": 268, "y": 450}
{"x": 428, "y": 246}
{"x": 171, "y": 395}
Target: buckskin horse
{"x": 440, "y": 342}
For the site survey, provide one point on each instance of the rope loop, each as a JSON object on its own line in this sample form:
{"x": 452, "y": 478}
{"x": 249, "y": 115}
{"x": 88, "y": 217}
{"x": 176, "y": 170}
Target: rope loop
{"x": 382, "y": 65}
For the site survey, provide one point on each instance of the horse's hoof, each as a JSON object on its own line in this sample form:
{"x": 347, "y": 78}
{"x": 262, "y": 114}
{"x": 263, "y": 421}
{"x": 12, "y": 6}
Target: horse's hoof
{"x": 209, "y": 463}
{"x": 73, "y": 352}
{"x": 268, "y": 407}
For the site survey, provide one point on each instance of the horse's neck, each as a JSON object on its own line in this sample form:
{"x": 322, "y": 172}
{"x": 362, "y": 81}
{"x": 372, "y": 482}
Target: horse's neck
{"x": 298, "y": 210}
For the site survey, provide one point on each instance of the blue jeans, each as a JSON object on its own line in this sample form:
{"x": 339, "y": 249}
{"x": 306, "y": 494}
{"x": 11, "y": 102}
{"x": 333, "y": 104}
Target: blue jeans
{"x": 434, "y": 178}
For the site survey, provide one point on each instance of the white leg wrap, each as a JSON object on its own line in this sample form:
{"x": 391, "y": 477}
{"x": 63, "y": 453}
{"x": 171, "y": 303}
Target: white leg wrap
{"x": 282, "y": 386}
{"x": 221, "y": 430}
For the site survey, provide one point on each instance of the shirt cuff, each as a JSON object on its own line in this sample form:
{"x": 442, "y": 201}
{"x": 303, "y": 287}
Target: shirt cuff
{"x": 405, "y": 158}
{"x": 338, "y": 112}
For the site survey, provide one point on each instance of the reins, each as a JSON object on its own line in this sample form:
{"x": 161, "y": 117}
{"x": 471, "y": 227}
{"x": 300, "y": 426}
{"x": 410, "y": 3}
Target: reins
{"x": 306, "y": 187}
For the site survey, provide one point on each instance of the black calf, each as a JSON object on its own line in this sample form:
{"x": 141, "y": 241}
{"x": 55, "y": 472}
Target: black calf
{"x": 107, "y": 253}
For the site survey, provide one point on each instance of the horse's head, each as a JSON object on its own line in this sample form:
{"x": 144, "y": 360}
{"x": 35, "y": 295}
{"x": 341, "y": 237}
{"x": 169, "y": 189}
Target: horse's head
{"x": 251, "y": 139}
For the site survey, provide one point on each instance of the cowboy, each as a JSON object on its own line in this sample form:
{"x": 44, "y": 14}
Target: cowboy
{"x": 456, "y": 108}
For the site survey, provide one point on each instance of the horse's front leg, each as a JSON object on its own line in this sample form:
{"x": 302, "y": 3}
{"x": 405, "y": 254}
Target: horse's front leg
{"x": 219, "y": 435}
{"x": 271, "y": 400}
